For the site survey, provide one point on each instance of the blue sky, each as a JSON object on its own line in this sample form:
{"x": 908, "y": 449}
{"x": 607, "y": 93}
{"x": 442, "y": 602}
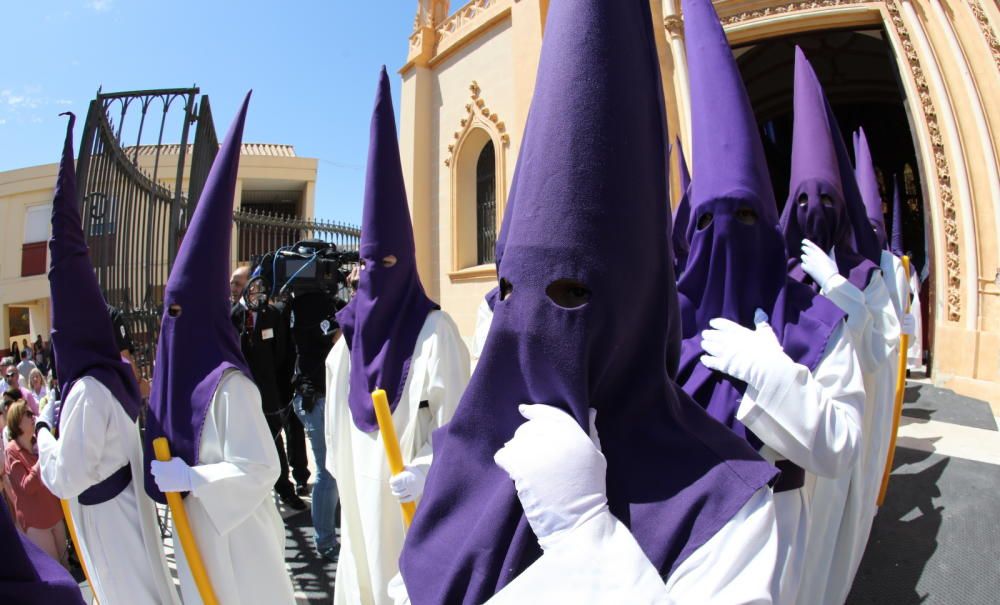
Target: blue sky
{"x": 312, "y": 65}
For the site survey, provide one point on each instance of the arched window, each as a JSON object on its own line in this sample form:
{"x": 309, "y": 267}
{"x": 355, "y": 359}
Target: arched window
{"x": 486, "y": 205}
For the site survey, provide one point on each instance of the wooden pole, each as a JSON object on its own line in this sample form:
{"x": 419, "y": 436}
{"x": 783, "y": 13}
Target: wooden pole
{"x": 391, "y": 444}
{"x": 904, "y": 341}
{"x": 162, "y": 450}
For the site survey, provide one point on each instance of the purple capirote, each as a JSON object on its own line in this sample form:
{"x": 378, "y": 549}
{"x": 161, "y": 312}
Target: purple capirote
{"x": 864, "y": 170}
{"x": 82, "y": 333}
{"x": 817, "y": 207}
{"x": 590, "y": 216}
{"x": 383, "y": 320}
{"x": 197, "y": 341}
{"x": 737, "y": 256}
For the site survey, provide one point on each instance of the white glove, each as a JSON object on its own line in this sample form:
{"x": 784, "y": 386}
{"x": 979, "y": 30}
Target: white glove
{"x": 408, "y": 485}
{"x": 558, "y": 470}
{"x": 908, "y": 325}
{"x": 47, "y": 417}
{"x": 171, "y": 476}
{"x": 742, "y": 353}
{"x": 817, "y": 264}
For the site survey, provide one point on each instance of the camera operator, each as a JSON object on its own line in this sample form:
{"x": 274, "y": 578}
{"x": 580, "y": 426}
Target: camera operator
{"x": 314, "y": 331}
{"x": 265, "y": 345}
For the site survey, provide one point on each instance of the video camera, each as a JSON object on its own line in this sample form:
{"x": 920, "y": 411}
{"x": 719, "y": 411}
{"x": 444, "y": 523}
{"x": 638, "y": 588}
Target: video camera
{"x": 306, "y": 267}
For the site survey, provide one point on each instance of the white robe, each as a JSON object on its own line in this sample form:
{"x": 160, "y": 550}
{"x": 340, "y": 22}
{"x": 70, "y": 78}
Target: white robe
{"x": 600, "y": 563}
{"x": 843, "y": 507}
{"x": 119, "y": 539}
{"x": 235, "y": 523}
{"x": 813, "y": 420}
{"x": 915, "y": 351}
{"x": 371, "y": 522}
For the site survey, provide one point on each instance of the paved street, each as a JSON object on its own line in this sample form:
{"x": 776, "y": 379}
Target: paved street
{"x": 936, "y": 540}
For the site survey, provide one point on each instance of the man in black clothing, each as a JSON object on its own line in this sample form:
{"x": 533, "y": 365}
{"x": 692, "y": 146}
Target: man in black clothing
{"x": 314, "y": 329}
{"x": 265, "y": 345}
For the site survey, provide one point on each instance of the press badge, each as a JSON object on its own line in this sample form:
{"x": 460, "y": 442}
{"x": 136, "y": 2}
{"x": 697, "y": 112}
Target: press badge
{"x": 267, "y": 334}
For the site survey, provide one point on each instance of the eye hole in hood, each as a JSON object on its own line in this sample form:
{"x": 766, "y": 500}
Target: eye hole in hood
{"x": 568, "y": 293}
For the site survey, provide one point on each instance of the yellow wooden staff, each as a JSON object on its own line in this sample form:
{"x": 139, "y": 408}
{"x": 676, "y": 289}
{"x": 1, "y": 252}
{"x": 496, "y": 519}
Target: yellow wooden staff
{"x": 76, "y": 545}
{"x": 391, "y": 444}
{"x": 162, "y": 450}
{"x": 904, "y": 341}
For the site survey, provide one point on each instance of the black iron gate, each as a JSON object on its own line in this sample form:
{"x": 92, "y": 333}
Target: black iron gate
{"x": 137, "y": 188}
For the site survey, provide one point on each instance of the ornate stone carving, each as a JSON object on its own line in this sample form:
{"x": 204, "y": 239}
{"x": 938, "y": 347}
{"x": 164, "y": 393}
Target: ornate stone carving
{"x": 952, "y": 261}
{"x": 673, "y": 24}
{"x": 790, "y": 7}
{"x": 987, "y": 29}
{"x": 477, "y": 112}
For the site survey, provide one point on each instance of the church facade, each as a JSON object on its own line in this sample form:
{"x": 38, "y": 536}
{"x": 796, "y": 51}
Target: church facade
{"x": 918, "y": 75}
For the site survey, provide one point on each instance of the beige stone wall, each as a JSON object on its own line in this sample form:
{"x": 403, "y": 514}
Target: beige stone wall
{"x": 948, "y": 56}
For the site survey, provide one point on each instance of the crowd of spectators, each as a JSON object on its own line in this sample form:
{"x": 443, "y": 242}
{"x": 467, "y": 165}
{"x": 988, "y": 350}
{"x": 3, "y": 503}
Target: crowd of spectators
{"x": 27, "y": 386}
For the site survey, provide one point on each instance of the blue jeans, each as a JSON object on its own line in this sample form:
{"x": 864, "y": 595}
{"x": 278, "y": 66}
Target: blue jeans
{"x": 324, "y": 492}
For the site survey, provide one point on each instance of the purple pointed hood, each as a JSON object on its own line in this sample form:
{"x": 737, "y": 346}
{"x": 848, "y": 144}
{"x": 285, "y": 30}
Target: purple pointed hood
{"x": 682, "y": 213}
{"x": 590, "y": 219}
{"x": 82, "y": 334}
{"x": 28, "y": 576}
{"x": 896, "y": 246}
{"x": 197, "y": 342}
{"x": 817, "y": 207}
{"x": 383, "y": 320}
{"x": 868, "y": 184}
{"x": 737, "y": 256}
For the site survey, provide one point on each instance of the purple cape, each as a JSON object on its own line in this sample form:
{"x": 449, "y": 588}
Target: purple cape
{"x": 28, "y": 576}
{"x": 590, "y": 205}
{"x": 817, "y": 207}
{"x": 83, "y": 338}
{"x": 864, "y": 170}
{"x": 736, "y": 264}
{"x": 198, "y": 345}
{"x": 383, "y": 320}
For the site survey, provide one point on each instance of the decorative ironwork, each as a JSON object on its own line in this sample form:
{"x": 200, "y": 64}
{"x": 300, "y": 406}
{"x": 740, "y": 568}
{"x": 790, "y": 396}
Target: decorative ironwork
{"x": 258, "y": 233}
{"x": 132, "y": 197}
{"x": 486, "y": 205}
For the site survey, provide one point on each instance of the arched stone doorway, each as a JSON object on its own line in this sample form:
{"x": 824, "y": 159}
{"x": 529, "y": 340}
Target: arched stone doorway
{"x": 862, "y": 82}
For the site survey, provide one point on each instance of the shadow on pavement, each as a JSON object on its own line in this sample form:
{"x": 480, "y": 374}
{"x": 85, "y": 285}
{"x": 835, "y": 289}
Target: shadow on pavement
{"x": 904, "y": 535}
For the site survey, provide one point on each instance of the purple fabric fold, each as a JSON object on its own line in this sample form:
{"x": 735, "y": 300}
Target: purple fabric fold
{"x": 682, "y": 212}
{"x": 383, "y": 320}
{"x": 29, "y": 576}
{"x": 197, "y": 344}
{"x": 588, "y": 204}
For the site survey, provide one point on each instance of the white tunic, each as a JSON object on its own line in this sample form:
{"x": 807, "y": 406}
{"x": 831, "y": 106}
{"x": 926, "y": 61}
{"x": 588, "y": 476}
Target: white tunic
{"x": 371, "y": 521}
{"x": 841, "y": 505}
{"x": 234, "y": 520}
{"x": 915, "y": 351}
{"x": 119, "y": 539}
{"x": 814, "y": 420}
{"x": 601, "y": 563}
